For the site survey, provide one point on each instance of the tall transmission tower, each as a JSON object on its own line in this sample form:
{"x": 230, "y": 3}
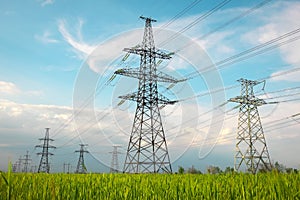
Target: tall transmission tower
{"x": 81, "y": 168}
{"x": 147, "y": 150}
{"x": 251, "y": 147}
{"x": 44, "y": 162}
{"x": 114, "y": 168}
{"x": 26, "y": 160}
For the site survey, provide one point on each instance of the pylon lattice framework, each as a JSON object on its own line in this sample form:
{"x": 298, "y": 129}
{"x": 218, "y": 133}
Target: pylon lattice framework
{"x": 147, "y": 150}
{"x": 44, "y": 165}
{"x": 81, "y": 168}
{"x": 251, "y": 147}
{"x": 27, "y": 161}
{"x": 114, "y": 168}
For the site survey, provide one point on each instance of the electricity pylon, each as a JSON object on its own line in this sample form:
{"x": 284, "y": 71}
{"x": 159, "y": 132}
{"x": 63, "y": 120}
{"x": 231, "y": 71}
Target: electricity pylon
{"x": 251, "y": 147}
{"x": 81, "y": 168}
{"x": 67, "y": 168}
{"x": 26, "y": 160}
{"x": 114, "y": 167}
{"x": 17, "y": 165}
{"x": 147, "y": 150}
{"x": 44, "y": 162}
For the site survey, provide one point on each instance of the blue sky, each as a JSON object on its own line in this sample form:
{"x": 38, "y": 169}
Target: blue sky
{"x": 54, "y": 54}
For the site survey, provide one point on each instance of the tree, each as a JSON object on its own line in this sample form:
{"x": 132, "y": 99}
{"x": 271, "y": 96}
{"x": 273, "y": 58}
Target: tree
{"x": 213, "y": 170}
{"x": 193, "y": 170}
{"x": 228, "y": 170}
{"x": 279, "y": 167}
{"x": 289, "y": 170}
{"x": 180, "y": 170}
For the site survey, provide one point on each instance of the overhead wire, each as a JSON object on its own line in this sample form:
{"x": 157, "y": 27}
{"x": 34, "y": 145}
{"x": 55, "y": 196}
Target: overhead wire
{"x": 196, "y": 21}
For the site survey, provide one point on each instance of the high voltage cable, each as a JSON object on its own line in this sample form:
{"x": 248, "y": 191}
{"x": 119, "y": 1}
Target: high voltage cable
{"x": 247, "y": 12}
{"x": 287, "y": 125}
{"x": 71, "y": 118}
{"x": 171, "y": 21}
{"x": 284, "y": 101}
{"x": 197, "y": 20}
{"x": 236, "y": 86}
{"x": 207, "y": 14}
{"x": 217, "y": 90}
{"x": 282, "y": 96}
{"x": 185, "y": 10}
{"x": 285, "y": 118}
{"x": 207, "y": 93}
{"x": 266, "y": 128}
{"x": 85, "y": 131}
{"x": 278, "y": 91}
{"x": 249, "y": 53}
{"x": 84, "y": 104}
{"x": 280, "y": 123}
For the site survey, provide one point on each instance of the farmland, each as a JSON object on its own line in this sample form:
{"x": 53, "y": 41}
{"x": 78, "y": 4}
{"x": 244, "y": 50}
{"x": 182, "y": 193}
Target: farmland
{"x": 150, "y": 186}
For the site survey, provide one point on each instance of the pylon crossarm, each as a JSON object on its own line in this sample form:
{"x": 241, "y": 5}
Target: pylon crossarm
{"x": 135, "y": 97}
{"x": 159, "y": 77}
{"x": 131, "y": 96}
{"x": 130, "y": 72}
{"x": 164, "y": 100}
{"x": 244, "y": 100}
{"x": 162, "y": 77}
{"x": 149, "y": 52}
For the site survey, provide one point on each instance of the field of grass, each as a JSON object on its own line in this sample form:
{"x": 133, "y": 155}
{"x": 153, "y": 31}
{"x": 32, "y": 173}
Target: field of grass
{"x": 149, "y": 186}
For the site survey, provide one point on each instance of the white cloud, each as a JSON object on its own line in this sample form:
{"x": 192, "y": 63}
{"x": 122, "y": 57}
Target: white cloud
{"x": 276, "y": 20}
{"x": 46, "y": 2}
{"x": 45, "y": 38}
{"x": 80, "y": 47}
{"x": 291, "y": 77}
{"x": 9, "y": 88}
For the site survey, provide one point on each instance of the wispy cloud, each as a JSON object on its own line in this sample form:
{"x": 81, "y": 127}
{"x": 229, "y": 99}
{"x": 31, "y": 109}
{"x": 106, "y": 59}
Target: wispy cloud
{"x": 46, "y": 2}
{"x": 278, "y": 19}
{"x": 45, "y": 38}
{"x": 76, "y": 42}
{"x": 11, "y": 89}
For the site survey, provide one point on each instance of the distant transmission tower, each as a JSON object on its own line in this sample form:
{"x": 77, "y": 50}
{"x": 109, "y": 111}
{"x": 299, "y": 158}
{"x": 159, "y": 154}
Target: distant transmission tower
{"x": 67, "y": 168}
{"x": 81, "y": 168}
{"x": 44, "y": 162}
{"x": 114, "y": 168}
{"x": 26, "y": 160}
{"x": 17, "y": 165}
{"x": 251, "y": 147}
{"x": 147, "y": 150}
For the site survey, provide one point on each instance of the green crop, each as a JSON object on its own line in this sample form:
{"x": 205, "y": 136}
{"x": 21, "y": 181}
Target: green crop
{"x": 149, "y": 186}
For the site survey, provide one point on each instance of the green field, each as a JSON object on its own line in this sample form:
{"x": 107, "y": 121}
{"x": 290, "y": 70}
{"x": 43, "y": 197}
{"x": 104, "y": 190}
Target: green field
{"x": 150, "y": 186}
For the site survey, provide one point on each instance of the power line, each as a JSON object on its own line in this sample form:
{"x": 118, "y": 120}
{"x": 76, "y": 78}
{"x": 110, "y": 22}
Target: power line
{"x": 256, "y": 50}
{"x": 247, "y": 12}
{"x": 185, "y": 10}
{"x": 197, "y": 20}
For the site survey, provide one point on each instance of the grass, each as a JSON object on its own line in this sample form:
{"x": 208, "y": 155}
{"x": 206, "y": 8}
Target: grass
{"x": 150, "y": 186}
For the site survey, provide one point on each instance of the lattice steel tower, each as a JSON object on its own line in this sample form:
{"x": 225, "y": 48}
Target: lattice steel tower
{"x": 81, "y": 168}
{"x": 44, "y": 162}
{"x": 251, "y": 147}
{"x": 27, "y": 161}
{"x": 114, "y": 167}
{"x": 147, "y": 150}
